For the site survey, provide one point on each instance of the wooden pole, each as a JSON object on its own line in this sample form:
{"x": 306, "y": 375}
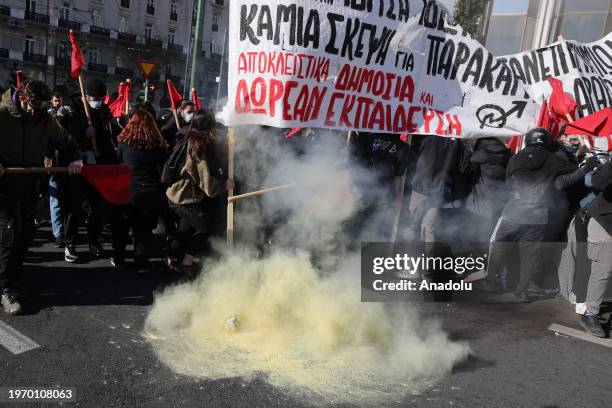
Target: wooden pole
{"x": 127, "y": 99}
{"x": 35, "y": 170}
{"x": 176, "y": 119}
{"x": 349, "y": 137}
{"x": 94, "y": 145}
{"x": 259, "y": 192}
{"x": 230, "y": 193}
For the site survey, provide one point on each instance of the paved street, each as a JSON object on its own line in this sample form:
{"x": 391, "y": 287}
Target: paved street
{"x": 88, "y": 320}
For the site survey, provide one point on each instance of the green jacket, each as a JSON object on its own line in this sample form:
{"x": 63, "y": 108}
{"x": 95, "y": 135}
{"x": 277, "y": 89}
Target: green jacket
{"x": 25, "y": 140}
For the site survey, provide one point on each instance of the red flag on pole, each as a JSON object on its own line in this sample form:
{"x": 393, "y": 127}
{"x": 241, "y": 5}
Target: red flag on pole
{"x": 560, "y": 103}
{"x": 113, "y": 182}
{"x": 19, "y": 75}
{"x": 77, "y": 61}
{"x": 175, "y": 97}
{"x": 118, "y": 104}
{"x": 196, "y": 101}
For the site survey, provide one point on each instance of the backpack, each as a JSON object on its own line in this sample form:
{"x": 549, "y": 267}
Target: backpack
{"x": 171, "y": 172}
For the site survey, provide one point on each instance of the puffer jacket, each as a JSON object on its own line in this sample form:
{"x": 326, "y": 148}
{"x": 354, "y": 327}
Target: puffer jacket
{"x": 26, "y": 139}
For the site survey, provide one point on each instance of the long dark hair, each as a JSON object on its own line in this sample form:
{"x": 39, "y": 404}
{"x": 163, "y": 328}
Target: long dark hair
{"x": 202, "y": 136}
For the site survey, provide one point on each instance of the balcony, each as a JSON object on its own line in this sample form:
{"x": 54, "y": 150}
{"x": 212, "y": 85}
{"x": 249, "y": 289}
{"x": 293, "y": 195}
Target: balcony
{"x": 174, "y": 16}
{"x": 151, "y": 10}
{"x": 175, "y": 47}
{"x": 4, "y": 53}
{"x": 36, "y": 17}
{"x": 69, "y": 24}
{"x": 127, "y": 37}
{"x": 124, "y": 72}
{"x": 101, "y": 31}
{"x": 125, "y": 4}
{"x": 93, "y": 67}
{"x": 35, "y": 58}
{"x": 152, "y": 42}
{"x": 5, "y": 10}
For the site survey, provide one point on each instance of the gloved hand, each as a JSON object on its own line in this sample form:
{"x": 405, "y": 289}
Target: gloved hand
{"x": 590, "y": 164}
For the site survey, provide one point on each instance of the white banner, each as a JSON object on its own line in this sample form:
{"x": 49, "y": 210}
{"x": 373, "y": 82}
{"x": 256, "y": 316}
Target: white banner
{"x": 397, "y": 66}
{"x": 584, "y": 69}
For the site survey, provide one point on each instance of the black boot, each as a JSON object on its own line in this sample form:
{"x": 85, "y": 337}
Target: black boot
{"x": 591, "y": 325}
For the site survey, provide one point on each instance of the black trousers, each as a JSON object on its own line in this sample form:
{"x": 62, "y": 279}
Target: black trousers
{"x": 142, "y": 216}
{"x": 193, "y": 230}
{"x": 524, "y": 239}
{"x": 81, "y": 194}
{"x": 18, "y": 196}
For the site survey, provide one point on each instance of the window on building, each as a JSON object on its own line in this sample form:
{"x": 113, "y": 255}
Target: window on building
{"x": 62, "y": 51}
{"x": 123, "y": 24}
{"x": 119, "y": 62}
{"x": 148, "y": 30}
{"x": 92, "y": 55}
{"x": 582, "y": 20}
{"x": 125, "y": 3}
{"x": 173, "y": 10}
{"x": 65, "y": 14}
{"x": 30, "y": 45}
{"x": 150, "y": 6}
{"x": 31, "y": 6}
{"x": 96, "y": 18}
{"x": 215, "y": 22}
{"x": 171, "y": 36}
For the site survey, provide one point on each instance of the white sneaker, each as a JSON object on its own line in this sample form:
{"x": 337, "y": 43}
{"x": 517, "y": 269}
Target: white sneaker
{"x": 476, "y": 276}
{"x": 10, "y": 303}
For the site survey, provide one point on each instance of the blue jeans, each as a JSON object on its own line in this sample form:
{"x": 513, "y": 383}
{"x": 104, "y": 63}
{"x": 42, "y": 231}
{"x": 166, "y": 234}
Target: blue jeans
{"x": 57, "y": 220}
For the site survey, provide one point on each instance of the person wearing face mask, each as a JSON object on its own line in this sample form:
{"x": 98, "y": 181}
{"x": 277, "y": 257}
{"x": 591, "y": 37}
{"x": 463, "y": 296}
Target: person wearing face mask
{"x": 172, "y": 135}
{"x": 29, "y": 132}
{"x": 97, "y": 139}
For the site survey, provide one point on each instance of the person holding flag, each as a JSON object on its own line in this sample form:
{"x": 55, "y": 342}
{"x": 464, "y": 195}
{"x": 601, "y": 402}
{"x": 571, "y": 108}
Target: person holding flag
{"x": 182, "y": 110}
{"x": 30, "y": 132}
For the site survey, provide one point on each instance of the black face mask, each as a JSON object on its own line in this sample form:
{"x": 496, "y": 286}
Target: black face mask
{"x": 571, "y": 148}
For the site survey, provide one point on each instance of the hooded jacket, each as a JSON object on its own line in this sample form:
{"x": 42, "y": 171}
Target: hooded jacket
{"x": 488, "y": 167}
{"x": 26, "y": 139}
{"x": 531, "y": 177}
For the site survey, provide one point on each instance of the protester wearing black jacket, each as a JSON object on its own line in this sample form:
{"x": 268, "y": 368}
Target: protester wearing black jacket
{"x": 142, "y": 148}
{"x": 489, "y": 192}
{"x": 97, "y": 141}
{"x": 536, "y": 178}
{"x": 185, "y": 115}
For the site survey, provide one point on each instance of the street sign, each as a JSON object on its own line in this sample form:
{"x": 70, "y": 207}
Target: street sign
{"x": 146, "y": 67}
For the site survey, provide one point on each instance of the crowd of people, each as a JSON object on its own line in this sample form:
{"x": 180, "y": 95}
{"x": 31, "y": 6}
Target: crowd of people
{"x": 551, "y": 191}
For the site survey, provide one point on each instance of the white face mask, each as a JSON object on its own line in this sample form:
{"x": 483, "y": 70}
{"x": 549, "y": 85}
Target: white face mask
{"x": 188, "y": 117}
{"x": 95, "y": 104}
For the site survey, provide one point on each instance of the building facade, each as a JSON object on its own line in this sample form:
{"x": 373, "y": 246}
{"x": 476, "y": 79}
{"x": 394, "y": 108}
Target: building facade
{"x": 113, "y": 35}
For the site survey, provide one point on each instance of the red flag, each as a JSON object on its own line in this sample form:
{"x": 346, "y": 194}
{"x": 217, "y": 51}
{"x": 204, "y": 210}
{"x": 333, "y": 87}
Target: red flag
{"x": 19, "y": 75}
{"x": 292, "y": 132}
{"x": 196, "y": 101}
{"x": 77, "y": 57}
{"x": 561, "y": 103}
{"x": 595, "y": 124}
{"x": 118, "y": 104}
{"x": 113, "y": 182}
{"x": 514, "y": 144}
{"x": 175, "y": 97}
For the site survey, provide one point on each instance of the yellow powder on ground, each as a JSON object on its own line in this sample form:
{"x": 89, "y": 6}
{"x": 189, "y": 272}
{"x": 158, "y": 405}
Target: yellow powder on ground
{"x": 305, "y": 333}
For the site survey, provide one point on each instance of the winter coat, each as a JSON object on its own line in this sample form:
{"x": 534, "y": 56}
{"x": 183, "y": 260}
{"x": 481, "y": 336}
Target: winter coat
{"x": 488, "y": 168}
{"x": 26, "y": 139}
{"x": 197, "y": 183}
{"x": 601, "y": 207}
{"x": 531, "y": 175}
{"x": 440, "y": 169}
{"x": 106, "y": 132}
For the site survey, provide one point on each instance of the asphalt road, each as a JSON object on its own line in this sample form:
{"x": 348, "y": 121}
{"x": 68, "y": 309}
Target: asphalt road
{"x": 88, "y": 320}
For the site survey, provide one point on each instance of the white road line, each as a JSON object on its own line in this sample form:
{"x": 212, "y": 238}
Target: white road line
{"x": 579, "y": 334}
{"x": 14, "y": 341}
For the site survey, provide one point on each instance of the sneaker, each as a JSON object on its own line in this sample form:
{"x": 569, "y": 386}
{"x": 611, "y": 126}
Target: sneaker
{"x": 476, "y": 276}
{"x": 117, "y": 261}
{"x": 10, "y": 303}
{"x": 591, "y": 325}
{"x": 96, "y": 250}
{"x": 59, "y": 242}
{"x": 70, "y": 253}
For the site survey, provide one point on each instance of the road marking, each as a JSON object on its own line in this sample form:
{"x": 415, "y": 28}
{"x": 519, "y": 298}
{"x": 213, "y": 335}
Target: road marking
{"x": 14, "y": 341}
{"x": 579, "y": 334}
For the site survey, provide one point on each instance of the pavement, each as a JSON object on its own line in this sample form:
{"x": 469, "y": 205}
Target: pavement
{"x": 85, "y": 326}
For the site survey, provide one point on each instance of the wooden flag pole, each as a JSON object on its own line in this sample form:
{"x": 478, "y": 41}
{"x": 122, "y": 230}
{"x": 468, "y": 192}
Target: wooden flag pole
{"x": 127, "y": 99}
{"x": 94, "y": 145}
{"x": 35, "y": 170}
{"x": 259, "y": 192}
{"x": 176, "y": 119}
{"x": 230, "y": 193}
